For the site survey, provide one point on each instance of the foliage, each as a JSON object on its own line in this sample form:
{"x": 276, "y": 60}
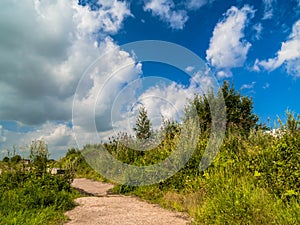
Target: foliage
{"x": 143, "y": 125}
{"x": 6, "y": 159}
{"x": 75, "y": 163}
{"x": 278, "y": 165}
{"x": 29, "y": 194}
{"x": 253, "y": 180}
{"x": 31, "y": 198}
{"x": 239, "y": 109}
{"x": 39, "y": 155}
{"x": 16, "y": 159}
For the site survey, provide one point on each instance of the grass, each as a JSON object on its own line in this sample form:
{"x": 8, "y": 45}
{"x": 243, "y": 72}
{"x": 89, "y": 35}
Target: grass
{"x": 253, "y": 180}
{"x": 34, "y": 198}
{"x": 47, "y": 215}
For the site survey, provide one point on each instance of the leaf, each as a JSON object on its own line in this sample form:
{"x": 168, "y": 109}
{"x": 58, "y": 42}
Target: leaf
{"x": 257, "y": 174}
{"x": 290, "y": 193}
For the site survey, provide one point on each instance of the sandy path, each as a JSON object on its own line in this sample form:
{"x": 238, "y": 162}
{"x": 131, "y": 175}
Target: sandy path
{"x": 106, "y": 209}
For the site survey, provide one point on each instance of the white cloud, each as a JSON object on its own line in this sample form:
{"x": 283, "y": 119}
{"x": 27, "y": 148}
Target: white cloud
{"x": 169, "y": 99}
{"x": 266, "y": 86}
{"x": 224, "y": 74}
{"x": 228, "y": 48}
{"x": 258, "y": 30}
{"x": 256, "y": 66}
{"x": 174, "y": 14}
{"x": 105, "y": 80}
{"x": 165, "y": 10}
{"x": 248, "y": 86}
{"x": 268, "y": 9}
{"x": 197, "y": 4}
{"x": 108, "y": 19}
{"x": 59, "y": 137}
{"x": 289, "y": 54}
{"x": 189, "y": 69}
{"x": 293, "y": 67}
{"x": 45, "y": 48}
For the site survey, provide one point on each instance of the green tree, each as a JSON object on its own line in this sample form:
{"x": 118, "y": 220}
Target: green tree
{"x": 143, "y": 125}
{"x": 170, "y": 128}
{"x": 6, "y": 159}
{"x": 39, "y": 155}
{"x": 239, "y": 109}
{"x": 15, "y": 159}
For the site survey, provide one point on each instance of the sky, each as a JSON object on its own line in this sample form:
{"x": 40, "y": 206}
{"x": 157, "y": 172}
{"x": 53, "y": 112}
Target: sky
{"x": 67, "y": 77}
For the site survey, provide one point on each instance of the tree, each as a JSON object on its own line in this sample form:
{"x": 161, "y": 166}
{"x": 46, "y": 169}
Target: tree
{"x": 16, "y": 158}
{"x": 239, "y": 109}
{"x": 170, "y": 128}
{"x": 6, "y": 159}
{"x": 39, "y": 155}
{"x": 143, "y": 125}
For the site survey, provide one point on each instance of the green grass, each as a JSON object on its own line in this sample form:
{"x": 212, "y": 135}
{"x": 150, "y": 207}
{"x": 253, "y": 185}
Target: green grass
{"x": 47, "y": 215}
{"x": 253, "y": 180}
{"x": 32, "y": 198}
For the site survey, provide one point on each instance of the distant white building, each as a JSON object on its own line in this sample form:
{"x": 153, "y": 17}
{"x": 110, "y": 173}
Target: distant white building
{"x": 55, "y": 171}
{"x": 277, "y": 133}
{"x": 25, "y": 161}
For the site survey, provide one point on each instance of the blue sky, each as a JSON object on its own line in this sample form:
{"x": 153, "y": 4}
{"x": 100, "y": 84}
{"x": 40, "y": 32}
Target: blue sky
{"x": 48, "y": 47}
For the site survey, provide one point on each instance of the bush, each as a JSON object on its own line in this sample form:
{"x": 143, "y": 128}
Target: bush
{"x": 34, "y": 197}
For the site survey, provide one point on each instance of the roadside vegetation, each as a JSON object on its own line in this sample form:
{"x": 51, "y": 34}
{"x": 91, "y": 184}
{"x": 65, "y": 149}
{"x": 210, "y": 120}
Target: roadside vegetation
{"x": 254, "y": 179}
{"x": 29, "y": 194}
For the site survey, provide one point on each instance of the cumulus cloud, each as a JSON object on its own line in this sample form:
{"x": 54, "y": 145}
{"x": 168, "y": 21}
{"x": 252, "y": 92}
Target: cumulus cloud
{"x": 97, "y": 92}
{"x": 165, "y": 10}
{"x": 169, "y": 98}
{"x": 167, "y": 101}
{"x": 174, "y": 14}
{"x": 45, "y": 47}
{"x": 289, "y": 54}
{"x": 228, "y": 48}
{"x": 108, "y": 19}
{"x": 58, "y": 137}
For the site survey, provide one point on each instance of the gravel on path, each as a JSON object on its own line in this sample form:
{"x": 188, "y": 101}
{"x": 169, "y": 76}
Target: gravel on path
{"x": 106, "y": 209}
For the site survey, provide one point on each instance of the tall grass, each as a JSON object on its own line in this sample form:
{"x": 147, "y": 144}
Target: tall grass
{"x": 255, "y": 179}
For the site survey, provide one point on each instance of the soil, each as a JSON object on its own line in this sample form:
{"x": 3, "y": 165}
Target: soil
{"x": 103, "y": 208}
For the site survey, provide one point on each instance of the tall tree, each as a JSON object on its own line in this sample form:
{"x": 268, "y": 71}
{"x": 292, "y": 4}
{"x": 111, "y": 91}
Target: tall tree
{"x": 143, "y": 125}
{"x": 239, "y": 109}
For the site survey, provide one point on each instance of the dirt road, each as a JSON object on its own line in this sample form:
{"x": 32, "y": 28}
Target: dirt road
{"x": 106, "y": 209}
